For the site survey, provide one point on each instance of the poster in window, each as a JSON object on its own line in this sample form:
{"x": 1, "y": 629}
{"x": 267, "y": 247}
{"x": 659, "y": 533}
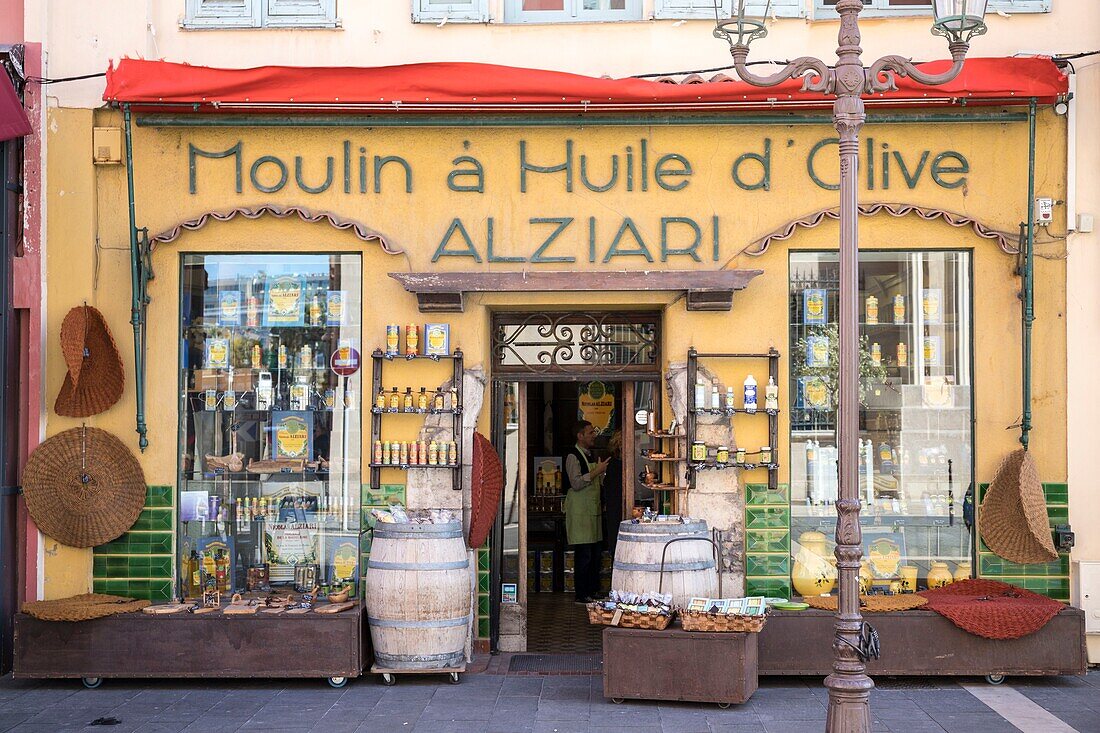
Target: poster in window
{"x": 596, "y": 404}
{"x": 815, "y": 307}
{"x": 342, "y": 554}
{"x": 217, "y": 353}
{"x": 932, "y": 306}
{"x": 284, "y": 304}
{"x": 229, "y": 308}
{"x": 334, "y": 307}
{"x": 293, "y": 434}
{"x": 548, "y": 472}
{"x": 933, "y": 351}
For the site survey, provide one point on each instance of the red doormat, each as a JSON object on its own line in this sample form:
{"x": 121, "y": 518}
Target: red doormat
{"x": 992, "y": 609}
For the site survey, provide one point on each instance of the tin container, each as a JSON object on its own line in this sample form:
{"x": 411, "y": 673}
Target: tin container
{"x": 210, "y": 399}
{"x": 412, "y": 339}
{"x": 393, "y": 339}
{"x": 722, "y": 457}
{"x": 903, "y": 354}
{"x": 257, "y": 356}
{"x": 698, "y": 451}
{"x": 385, "y": 453}
{"x": 870, "y": 310}
{"x": 229, "y": 400}
{"x": 379, "y": 453}
{"x": 404, "y": 454}
{"x": 452, "y": 453}
{"x": 766, "y": 455}
{"x": 899, "y": 309}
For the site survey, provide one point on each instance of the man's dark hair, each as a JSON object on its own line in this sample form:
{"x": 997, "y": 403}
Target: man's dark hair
{"x": 579, "y": 427}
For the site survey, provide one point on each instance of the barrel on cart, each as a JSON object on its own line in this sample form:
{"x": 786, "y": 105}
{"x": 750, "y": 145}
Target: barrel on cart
{"x": 418, "y": 599}
{"x": 689, "y": 568}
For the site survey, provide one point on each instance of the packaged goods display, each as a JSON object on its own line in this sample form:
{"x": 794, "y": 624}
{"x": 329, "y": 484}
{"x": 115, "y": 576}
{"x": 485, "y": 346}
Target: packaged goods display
{"x": 270, "y": 434}
{"x": 432, "y": 340}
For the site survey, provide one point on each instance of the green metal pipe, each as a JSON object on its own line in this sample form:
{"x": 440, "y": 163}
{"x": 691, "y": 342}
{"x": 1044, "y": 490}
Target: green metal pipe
{"x": 1029, "y": 277}
{"x": 137, "y": 289}
{"x": 475, "y": 121}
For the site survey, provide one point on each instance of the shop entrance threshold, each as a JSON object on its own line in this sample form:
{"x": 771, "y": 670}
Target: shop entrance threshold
{"x": 556, "y": 664}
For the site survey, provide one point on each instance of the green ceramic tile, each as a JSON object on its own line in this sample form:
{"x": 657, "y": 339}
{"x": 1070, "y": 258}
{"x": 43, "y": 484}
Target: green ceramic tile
{"x": 768, "y": 587}
{"x": 767, "y": 540}
{"x": 482, "y": 560}
{"x": 1058, "y": 515}
{"x": 761, "y": 495}
{"x": 1052, "y": 587}
{"x": 99, "y": 566}
{"x": 1056, "y": 493}
{"x": 774, "y": 564}
{"x": 483, "y": 604}
{"x": 160, "y": 496}
{"x": 483, "y": 630}
{"x": 483, "y": 582}
{"x": 990, "y": 564}
{"x": 982, "y": 488}
{"x": 154, "y": 520}
{"x": 767, "y": 517}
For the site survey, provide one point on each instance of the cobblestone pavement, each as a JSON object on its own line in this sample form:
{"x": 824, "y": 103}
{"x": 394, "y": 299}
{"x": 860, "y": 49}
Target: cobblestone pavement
{"x": 485, "y": 703}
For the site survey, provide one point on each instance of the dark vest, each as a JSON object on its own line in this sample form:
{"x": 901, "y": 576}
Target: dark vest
{"x": 574, "y": 451}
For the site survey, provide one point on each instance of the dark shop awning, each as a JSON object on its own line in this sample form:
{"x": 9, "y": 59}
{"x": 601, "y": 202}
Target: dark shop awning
{"x": 13, "y": 118}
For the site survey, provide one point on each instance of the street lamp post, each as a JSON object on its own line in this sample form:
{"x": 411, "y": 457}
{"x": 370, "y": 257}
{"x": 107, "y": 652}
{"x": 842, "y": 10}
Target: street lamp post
{"x": 958, "y": 21}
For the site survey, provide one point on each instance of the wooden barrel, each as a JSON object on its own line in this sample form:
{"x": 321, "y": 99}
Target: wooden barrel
{"x": 689, "y": 565}
{"x": 418, "y": 596}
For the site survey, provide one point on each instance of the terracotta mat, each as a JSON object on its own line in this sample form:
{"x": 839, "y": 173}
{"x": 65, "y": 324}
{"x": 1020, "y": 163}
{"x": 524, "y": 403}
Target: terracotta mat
{"x": 992, "y": 609}
{"x": 83, "y": 607}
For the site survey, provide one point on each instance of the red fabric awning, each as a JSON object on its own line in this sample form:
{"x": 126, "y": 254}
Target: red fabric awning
{"x": 444, "y": 87}
{"x": 13, "y": 119}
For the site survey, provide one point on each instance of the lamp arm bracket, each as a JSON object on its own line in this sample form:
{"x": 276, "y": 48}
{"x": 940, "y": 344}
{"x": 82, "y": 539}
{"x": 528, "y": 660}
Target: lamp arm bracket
{"x": 882, "y": 75}
{"x": 821, "y": 80}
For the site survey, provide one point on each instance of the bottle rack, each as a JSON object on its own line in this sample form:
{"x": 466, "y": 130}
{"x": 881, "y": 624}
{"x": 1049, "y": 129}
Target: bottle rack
{"x": 379, "y": 359}
{"x": 693, "y": 411}
{"x": 667, "y": 467}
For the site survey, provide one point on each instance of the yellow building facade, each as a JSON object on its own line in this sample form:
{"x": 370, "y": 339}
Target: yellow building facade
{"x": 743, "y": 193}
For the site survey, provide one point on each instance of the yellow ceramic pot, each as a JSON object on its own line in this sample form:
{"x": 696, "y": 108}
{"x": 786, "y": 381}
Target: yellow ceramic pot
{"x": 813, "y": 575}
{"x": 866, "y": 580}
{"x": 962, "y": 571}
{"x": 908, "y": 578}
{"x": 939, "y": 575}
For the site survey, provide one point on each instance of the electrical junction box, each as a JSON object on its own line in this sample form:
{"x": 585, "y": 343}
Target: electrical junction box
{"x": 107, "y": 145}
{"x": 1044, "y": 211}
{"x": 1087, "y": 592}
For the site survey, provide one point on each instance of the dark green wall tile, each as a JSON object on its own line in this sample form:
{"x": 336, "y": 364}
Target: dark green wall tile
{"x": 155, "y": 520}
{"x": 774, "y": 565}
{"x": 768, "y": 587}
{"x": 990, "y": 564}
{"x": 483, "y": 628}
{"x": 1056, "y": 493}
{"x": 483, "y": 604}
{"x": 767, "y": 517}
{"x": 767, "y": 540}
{"x": 160, "y": 496}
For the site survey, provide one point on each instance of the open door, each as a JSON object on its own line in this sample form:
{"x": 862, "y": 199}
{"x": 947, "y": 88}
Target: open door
{"x": 509, "y": 547}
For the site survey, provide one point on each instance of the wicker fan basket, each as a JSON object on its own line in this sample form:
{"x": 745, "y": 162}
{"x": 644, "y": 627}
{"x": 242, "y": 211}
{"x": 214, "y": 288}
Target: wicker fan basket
{"x": 872, "y": 604}
{"x": 84, "y": 607}
{"x": 599, "y": 616}
{"x": 703, "y": 621}
{"x": 95, "y": 378}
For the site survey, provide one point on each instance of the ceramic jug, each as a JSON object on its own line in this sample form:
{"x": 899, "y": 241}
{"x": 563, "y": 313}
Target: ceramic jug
{"x": 813, "y": 575}
{"x": 939, "y": 575}
{"x": 962, "y": 571}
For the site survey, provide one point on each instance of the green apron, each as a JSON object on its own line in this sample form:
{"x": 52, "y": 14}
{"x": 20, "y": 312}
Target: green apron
{"x": 583, "y": 523}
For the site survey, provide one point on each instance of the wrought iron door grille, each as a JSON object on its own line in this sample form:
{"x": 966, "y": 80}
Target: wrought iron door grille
{"x": 575, "y": 343}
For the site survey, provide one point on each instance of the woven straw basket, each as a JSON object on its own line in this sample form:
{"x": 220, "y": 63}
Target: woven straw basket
{"x": 723, "y": 622}
{"x": 84, "y": 487}
{"x": 872, "y": 604}
{"x": 598, "y": 616}
{"x": 95, "y": 378}
{"x": 1013, "y": 518}
{"x": 84, "y": 607}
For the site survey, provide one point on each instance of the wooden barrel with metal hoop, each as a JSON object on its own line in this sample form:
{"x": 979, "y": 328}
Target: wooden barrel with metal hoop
{"x": 418, "y": 596}
{"x": 689, "y": 567}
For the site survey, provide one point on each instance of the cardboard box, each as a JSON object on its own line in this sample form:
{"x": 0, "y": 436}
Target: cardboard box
{"x": 209, "y": 379}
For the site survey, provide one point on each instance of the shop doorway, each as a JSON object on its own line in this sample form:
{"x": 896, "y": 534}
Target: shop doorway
{"x": 551, "y": 372}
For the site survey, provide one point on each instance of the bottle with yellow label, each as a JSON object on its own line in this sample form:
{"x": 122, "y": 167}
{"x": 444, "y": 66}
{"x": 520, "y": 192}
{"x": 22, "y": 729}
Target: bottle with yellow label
{"x": 257, "y": 356}
{"x": 899, "y": 309}
{"x": 407, "y": 403}
{"x": 422, "y": 400}
{"x": 870, "y": 310}
{"x": 903, "y": 354}
{"x": 395, "y": 400}
{"x": 876, "y": 354}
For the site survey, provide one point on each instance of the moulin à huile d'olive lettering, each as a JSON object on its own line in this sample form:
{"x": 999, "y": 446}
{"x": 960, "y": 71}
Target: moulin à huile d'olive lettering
{"x": 564, "y": 167}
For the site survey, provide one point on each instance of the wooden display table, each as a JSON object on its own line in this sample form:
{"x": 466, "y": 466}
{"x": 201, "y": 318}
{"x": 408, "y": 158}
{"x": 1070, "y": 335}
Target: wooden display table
{"x": 921, "y": 642}
{"x": 674, "y": 664}
{"x": 214, "y": 645}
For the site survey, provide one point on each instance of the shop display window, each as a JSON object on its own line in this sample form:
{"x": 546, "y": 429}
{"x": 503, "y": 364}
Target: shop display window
{"x": 916, "y": 402}
{"x": 270, "y": 433}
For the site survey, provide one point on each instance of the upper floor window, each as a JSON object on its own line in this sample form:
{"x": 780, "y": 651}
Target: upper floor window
{"x": 260, "y": 14}
{"x": 827, "y": 8}
{"x": 450, "y": 11}
{"x": 705, "y": 9}
{"x": 570, "y": 11}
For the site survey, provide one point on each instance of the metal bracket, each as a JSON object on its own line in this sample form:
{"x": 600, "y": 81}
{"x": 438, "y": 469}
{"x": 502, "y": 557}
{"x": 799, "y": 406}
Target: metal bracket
{"x": 11, "y": 490}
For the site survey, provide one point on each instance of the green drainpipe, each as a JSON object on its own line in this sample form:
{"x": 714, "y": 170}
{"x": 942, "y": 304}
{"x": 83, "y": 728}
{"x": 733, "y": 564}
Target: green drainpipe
{"x": 1029, "y": 276}
{"x": 137, "y": 290}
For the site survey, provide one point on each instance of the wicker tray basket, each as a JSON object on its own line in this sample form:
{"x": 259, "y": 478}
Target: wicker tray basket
{"x": 703, "y": 621}
{"x": 599, "y": 616}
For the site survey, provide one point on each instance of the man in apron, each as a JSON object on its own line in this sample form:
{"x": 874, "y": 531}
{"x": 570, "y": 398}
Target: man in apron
{"x": 583, "y": 517}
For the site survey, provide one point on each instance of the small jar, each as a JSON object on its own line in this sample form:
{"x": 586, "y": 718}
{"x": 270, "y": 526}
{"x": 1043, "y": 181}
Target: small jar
{"x": 740, "y": 457}
{"x": 766, "y": 455}
{"x": 722, "y": 457}
{"x": 698, "y": 451}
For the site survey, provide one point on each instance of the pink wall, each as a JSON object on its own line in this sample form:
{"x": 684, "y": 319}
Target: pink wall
{"x": 11, "y": 21}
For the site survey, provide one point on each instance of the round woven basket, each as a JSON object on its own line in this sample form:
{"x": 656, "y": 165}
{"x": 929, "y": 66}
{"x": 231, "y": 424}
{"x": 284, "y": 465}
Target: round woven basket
{"x": 1013, "y": 517}
{"x": 871, "y": 604}
{"x": 95, "y": 378}
{"x": 83, "y": 487}
{"x": 84, "y": 607}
